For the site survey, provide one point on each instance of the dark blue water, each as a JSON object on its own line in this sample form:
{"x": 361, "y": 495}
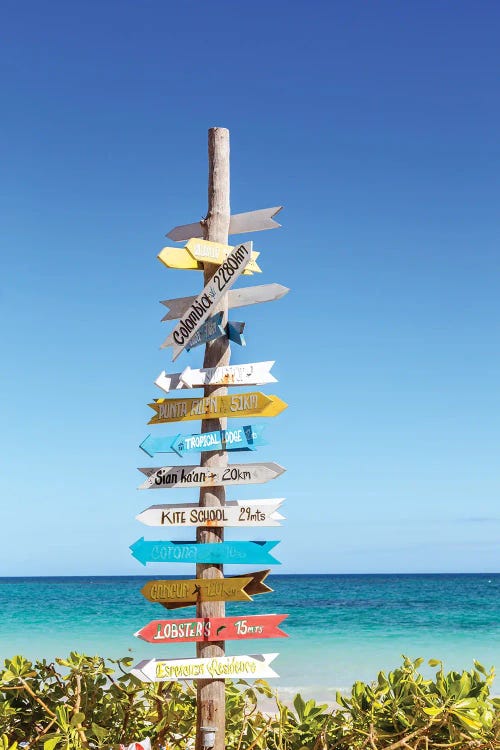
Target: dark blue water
{"x": 341, "y": 627}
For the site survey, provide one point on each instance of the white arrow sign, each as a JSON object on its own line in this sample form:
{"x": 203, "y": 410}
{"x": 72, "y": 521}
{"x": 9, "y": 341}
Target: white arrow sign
{"x": 204, "y": 304}
{"x": 169, "y": 477}
{"x": 254, "y": 666}
{"x": 251, "y": 221}
{"x": 255, "y": 373}
{"x": 250, "y": 295}
{"x": 233, "y": 513}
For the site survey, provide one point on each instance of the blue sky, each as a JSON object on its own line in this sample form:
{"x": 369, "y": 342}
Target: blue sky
{"x": 376, "y": 126}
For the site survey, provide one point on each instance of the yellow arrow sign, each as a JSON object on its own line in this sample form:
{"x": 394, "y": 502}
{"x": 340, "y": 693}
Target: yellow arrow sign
{"x": 199, "y": 589}
{"x": 197, "y": 252}
{"x": 212, "y": 407}
{"x": 184, "y": 593}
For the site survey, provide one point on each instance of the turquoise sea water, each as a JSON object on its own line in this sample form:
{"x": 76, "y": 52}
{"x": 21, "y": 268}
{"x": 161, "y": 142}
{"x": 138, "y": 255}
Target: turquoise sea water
{"x": 342, "y": 627}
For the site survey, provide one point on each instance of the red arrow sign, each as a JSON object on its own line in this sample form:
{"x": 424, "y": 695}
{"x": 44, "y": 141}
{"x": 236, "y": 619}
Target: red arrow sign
{"x": 212, "y": 629}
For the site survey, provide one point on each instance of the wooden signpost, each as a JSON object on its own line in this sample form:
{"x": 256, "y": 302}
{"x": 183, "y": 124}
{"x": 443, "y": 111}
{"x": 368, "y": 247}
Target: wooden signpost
{"x": 253, "y": 404}
{"x": 255, "y": 666}
{"x": 246, "y": 438}
{"x": 251, "y": 221}
{"x": 197, "y": 252}
{"x": 239, "y": 513}
{"x": 235, "y": 553}
{"x": 255, "y": 373}
{"x": 170, "y": 477}
{"x": 250, "y": 295}
{"x": 212, "y": 629}
{"x": 203, "y": 319}
{"x": 173, "y": 594}
{"x": 205, "y": 303}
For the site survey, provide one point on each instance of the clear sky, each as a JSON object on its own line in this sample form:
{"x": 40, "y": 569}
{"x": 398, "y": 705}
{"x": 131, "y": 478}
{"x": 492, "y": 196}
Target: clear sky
{"x": 376, "y": 126}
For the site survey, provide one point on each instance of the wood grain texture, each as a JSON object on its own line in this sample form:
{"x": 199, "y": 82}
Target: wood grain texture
{"x": 211, "y": 701}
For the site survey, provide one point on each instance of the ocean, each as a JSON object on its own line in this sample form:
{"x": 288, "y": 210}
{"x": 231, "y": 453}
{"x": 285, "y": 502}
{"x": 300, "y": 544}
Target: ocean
{"x": 342, "y": 628}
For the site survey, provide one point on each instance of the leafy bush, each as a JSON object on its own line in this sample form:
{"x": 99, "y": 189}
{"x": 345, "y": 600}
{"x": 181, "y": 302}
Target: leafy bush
{"x": 96, "y": 703}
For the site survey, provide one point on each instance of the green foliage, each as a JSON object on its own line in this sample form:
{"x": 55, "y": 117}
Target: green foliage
{"x": 87, "y": 703}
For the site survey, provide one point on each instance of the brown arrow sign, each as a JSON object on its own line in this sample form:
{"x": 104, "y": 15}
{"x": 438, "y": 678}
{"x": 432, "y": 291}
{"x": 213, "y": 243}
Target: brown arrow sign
{"x": 184, "y": 593}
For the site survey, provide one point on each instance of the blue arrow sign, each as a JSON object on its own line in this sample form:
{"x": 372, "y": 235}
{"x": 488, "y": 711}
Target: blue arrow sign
{"x": 236, "y": 439}
{"x": 234, "y": 333}
{"x": 251, "y": 553}
{"x": 210, "y": 330}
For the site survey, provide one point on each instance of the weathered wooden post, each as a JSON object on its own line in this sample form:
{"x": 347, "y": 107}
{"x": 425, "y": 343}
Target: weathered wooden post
{"x": 211, "y": 693}
{"x": 204, "y": 319}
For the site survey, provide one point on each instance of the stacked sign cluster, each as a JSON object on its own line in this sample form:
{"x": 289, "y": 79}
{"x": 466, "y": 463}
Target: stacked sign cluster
{"x": 198, "y": 323}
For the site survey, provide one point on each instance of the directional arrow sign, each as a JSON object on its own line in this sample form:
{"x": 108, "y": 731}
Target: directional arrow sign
{"x": 205, "y": 302}
{"x": 204, "y": 252}
{"x": 255, "y": 373}
{"x": 233, "y": 513}
{"x": 251, "y": 221}
{"x": 236, "y": 439}
{"x": 237, "y": 405}
{"x": 250, "y": 295}
{"x": 170, "y": 477}
{"x": 234, "y": 332}
{"x": 206, "y": 629}
{"x": 209, "y": 331}
{"x": 255, "y": 666}
{"x": 182, "y": 593}
{"x": 244, "y": 553}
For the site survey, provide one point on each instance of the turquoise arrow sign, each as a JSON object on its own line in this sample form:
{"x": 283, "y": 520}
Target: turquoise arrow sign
{"x": 245, "y": 438}
{"x": 251, "y": 553}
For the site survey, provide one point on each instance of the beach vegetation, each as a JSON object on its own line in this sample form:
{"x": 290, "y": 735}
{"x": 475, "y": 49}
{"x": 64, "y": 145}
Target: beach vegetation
{"x": 91, "y": 703}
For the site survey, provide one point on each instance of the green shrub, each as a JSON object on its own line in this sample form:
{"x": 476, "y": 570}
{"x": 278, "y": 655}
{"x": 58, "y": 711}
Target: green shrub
{"x": 96, "y": 703}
